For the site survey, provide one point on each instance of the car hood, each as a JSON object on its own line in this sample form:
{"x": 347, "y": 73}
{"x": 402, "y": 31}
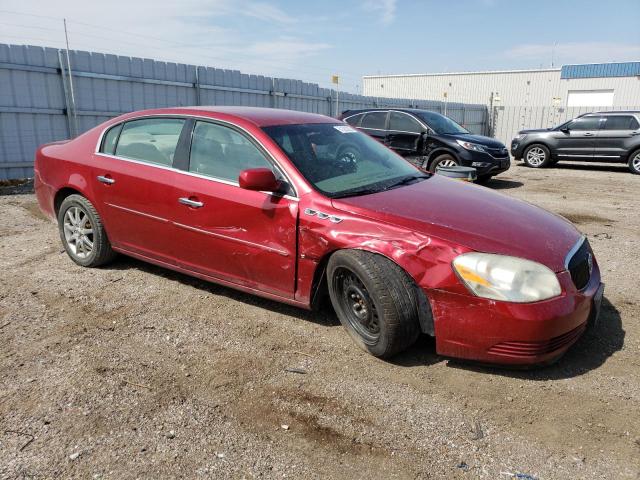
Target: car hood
{"x": 534, "y": 130}
{"x": 471, "y": 216}
{"x": 480, "y": 139}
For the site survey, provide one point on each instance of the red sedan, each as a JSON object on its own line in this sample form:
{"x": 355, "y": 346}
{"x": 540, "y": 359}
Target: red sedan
{"x": 292, "y": 206}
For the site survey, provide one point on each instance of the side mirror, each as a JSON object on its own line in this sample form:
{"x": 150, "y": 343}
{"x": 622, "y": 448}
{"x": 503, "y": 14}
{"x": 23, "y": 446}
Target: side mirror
{"x": 260, "y": 179}
{"x": 565, "y": 130}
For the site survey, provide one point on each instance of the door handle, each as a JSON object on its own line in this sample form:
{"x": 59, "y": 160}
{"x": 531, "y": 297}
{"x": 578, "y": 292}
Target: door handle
{"x": 190, "y": 203}
{"x": 106, "y": 180}
{"x": 588, "y": 134}
{"x": 634, "y": 133}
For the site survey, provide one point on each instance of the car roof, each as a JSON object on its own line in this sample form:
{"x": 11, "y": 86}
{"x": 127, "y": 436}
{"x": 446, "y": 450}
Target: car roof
{"x": 261, "y": 117}
{"x": 614, "y": 112}
{"x": 348, "y": 113}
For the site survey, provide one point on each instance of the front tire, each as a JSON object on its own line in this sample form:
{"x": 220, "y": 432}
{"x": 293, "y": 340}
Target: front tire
{"x": 82, "y": 233}
{"x": 537, "y": 156}
{"x": 483, "y": 179}
{"x": 445, "y": 160}
{"x": 634, "y": 162}
{"x": 375, "y": 301}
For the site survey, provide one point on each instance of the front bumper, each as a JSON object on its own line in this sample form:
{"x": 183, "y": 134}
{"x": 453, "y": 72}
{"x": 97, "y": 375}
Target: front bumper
{"x": 489, "y": 331}
{"x": 484, "y": 163}
{"x": 517, "y": 149}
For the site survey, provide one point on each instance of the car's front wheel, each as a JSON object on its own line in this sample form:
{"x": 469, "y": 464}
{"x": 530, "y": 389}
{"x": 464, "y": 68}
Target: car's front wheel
{"x": 537, "y": 156}
{"x": 82, "y": 233}
{"x": 446, "y": 160}
{"x": 375, "y": 301}
{"x": 634, "y": 162}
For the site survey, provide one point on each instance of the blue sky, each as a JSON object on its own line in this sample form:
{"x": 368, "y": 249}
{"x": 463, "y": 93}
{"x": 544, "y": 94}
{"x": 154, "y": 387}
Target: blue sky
{"x": 312, "y": 40}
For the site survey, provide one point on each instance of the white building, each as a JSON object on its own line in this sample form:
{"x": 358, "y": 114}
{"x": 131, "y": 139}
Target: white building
{"x": 600, "y": 85}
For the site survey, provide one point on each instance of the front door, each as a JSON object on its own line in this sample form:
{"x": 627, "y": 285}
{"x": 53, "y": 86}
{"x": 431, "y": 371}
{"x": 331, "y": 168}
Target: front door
{"x": 578, "y": 141}
{"x": 241, "y": 236}
{"x": 134, "y": 179}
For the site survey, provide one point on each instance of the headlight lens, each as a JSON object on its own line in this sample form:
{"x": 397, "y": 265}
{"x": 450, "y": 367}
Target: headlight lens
{"x": 471, "y": 146}
{"x": 519, "y": 137}
{"x": 510, "y": 279}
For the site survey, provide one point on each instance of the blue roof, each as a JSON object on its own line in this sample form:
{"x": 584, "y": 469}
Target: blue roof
{"x": 592, "y": 70}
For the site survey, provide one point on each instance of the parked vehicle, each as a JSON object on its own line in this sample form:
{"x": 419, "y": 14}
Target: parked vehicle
{"x": 431, "y": 140}
{"x": 600, "y": 137}
{"x": 293, "y": 206}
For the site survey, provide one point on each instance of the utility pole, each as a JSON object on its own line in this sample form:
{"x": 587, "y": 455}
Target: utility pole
{"x": 73, "y": 99}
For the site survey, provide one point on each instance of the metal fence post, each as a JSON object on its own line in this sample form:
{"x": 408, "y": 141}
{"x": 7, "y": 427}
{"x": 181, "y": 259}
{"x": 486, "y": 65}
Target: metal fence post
{"x": 65, "y": 91}
{"x": 197, "y": 85}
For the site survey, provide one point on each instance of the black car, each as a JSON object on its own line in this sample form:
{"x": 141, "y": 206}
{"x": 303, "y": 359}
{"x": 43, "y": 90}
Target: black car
{"x": 600, "y": 137}
{"x": 431, "y": 140}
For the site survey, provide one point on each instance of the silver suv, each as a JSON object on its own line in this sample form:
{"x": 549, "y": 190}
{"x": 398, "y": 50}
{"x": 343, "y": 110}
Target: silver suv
{"x": 600, "y": 137}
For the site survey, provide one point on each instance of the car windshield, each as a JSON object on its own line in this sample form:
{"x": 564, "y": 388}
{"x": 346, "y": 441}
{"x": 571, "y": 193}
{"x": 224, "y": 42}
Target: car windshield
{"x": 340, "y": 161}
{"x": 440, "y": 124}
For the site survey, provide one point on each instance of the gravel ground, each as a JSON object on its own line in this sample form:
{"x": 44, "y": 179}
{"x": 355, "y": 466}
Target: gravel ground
{"x": 133, "y": 371}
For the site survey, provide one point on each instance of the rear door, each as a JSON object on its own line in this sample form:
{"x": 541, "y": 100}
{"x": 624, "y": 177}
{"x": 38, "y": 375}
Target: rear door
{"x": 613, "y": 141}
{"x": 578, "y": 142}
{"x": 404, "y": 133}
{"x": 134, "y": 178}
{"x": 375, "y": 125}
{"x": 223, "y": 231}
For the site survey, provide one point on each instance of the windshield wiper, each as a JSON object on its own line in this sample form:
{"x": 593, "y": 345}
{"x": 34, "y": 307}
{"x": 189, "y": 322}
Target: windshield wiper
{"x": 353, "y": 193}
{"x": 406, "y": 181}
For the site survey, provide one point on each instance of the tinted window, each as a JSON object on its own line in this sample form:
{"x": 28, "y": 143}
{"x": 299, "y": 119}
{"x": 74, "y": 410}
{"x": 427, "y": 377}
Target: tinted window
{"x": 152, "y": 140}
{"x": 620, "y": 122}
{"x": 404, "y": 123}
{"x": 354, "y": 120}
{"x": 221, "y": 152}
{"x": 374, "y": 120}
{"x": 110, "y": 138}
{"x": 585, "y": 123}
{"x": 340, "y": 161}
{"x": 440, "y": 124}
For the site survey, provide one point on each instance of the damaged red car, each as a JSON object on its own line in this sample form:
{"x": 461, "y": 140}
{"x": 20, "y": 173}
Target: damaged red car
{"x": 294, "y": 206}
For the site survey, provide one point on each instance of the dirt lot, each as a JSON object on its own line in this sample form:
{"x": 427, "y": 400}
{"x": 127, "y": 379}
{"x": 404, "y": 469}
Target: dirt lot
{"x": 132, "y": 371}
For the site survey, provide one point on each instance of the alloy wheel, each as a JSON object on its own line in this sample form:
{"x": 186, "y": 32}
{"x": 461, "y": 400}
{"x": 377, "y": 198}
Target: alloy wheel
{"x": 635, "y": 163}
{"x": 78, "y": 232}
{"x": 536, "y": 156}
{"x": 447, "y": 162}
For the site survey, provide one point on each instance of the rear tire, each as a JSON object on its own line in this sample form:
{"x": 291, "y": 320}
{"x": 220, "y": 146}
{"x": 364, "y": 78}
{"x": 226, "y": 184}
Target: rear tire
{"x": 634, "y": 162}
{"x": 537, "y": 156}
{"x": 375, "y": 301}
{"x": 82, "y": 233}
{"x": 445, "y": 160}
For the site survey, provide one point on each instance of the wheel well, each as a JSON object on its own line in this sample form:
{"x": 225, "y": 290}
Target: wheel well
{"x": 61, "y": 195}
{"x": 632, "y": 154}
{"x": 320, "y": 292}
{"x": 439, "y": 153}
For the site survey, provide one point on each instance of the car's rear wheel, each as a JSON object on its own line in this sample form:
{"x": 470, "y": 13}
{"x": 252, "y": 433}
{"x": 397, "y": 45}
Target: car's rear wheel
{"x": 634, "y": 162}
{"x": 375, "y": 301}
{"x": 82, "y": 233}
{"x": 445, "y": 160}
{"x": 537, "y": 156}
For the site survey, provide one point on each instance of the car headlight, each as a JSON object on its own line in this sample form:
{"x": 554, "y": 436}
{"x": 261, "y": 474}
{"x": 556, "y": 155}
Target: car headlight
{"x": 519, "y": 137}
{"x": 471, "y": 146}
{"x": 510, "y": 279}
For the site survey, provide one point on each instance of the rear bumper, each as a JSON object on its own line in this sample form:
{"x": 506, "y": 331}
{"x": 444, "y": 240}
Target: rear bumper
{"x": 488, "y": 331}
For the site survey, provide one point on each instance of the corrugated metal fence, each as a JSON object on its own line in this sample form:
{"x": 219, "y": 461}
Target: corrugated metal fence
{"x": 39, "y": 105}
{"x": 507, "y": 121}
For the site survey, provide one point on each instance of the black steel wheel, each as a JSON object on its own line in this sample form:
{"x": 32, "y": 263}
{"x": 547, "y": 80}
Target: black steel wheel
{"x": 375, "y": 300}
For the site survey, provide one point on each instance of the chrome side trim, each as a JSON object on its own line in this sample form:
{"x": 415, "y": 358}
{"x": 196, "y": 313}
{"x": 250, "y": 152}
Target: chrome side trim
{"x": 204, "y": 118}
{"x": 136, "y": 212}
{"x": 573, "y": 251}
{"x": 232, "y": 239}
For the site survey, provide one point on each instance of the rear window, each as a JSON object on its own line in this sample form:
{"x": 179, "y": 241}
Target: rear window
{"x": 152, "y": 140}
{"x": 375, "y": 120}
{"x": 620, "y": 122}
{"x": 354, "y": 120}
